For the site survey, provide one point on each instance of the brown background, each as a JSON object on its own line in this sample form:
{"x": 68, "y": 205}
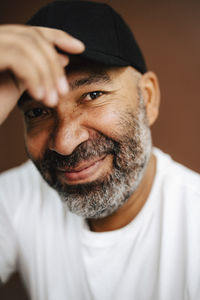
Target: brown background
{"x": 169, "y": 34}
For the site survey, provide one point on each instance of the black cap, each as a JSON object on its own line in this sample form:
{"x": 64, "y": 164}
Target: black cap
{"x": 107, "y": 38}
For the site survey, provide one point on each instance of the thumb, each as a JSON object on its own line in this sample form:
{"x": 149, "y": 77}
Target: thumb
{"x": 64, "y": 59}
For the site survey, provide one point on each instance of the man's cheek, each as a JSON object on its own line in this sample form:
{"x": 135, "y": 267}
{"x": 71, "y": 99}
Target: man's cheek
{"x": 107, "y": 121}
{"x": 36, "y": 144}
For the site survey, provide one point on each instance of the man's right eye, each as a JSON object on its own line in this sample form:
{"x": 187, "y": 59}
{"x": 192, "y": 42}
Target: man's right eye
{"x": 36, "y": 112}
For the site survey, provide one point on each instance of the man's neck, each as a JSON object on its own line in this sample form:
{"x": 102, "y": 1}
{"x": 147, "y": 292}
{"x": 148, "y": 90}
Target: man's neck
{"x": 125, "y": 214}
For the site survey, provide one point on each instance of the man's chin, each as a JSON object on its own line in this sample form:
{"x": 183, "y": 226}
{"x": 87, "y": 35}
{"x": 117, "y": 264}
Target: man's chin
{"x": 94, "y": 200}
{"x": 78, "y": 189}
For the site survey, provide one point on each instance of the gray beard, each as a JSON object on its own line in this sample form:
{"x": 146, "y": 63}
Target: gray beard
{"x": 104, "y": 196}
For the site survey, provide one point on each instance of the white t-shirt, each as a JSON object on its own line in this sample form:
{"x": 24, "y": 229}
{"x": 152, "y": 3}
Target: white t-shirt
{"x": 155, "y": 257}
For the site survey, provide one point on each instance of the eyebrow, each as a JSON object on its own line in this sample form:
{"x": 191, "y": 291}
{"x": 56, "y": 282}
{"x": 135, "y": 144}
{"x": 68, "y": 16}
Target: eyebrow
{"x": 91, "y": 79}
{"x": 85, "y": 81}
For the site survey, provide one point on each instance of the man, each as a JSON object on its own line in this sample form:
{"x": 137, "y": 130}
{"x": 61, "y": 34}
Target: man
{"x": 117, "y": 219}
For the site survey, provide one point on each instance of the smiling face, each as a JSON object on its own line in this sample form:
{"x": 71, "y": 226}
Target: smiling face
{"x": 93, "y": 148}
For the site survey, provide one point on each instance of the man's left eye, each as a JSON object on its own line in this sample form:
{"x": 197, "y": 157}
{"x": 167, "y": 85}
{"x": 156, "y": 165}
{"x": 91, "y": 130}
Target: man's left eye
{"x": 92, "y": 95}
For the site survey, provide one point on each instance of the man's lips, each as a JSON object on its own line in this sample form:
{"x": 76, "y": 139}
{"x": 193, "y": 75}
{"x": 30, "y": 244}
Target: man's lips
{"x": 83, "y": 171}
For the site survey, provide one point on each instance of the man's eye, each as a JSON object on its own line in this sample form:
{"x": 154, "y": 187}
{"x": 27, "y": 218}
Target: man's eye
{"x": 92, "y": 95}
{"x": 36, "y": 112}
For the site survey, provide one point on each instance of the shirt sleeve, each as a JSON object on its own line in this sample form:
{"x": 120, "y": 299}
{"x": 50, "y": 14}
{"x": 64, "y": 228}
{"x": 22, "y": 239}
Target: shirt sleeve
{"x": 8, "y": 246}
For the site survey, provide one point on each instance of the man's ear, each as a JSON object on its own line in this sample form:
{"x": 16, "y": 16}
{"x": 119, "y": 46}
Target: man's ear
{"x": 151, "y": 92}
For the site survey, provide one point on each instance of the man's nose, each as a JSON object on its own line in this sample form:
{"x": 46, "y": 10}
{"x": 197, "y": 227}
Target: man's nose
{"x": 67, "y": 135}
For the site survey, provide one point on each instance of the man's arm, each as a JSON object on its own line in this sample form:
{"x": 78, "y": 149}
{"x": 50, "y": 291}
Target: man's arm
{"x": 29, "y": 61}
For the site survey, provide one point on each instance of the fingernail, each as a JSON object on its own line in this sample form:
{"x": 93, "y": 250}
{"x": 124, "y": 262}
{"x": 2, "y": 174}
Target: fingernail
{"x": 53, "y": 97}
{"x": 63, "y": 85}
{"x": 77, "y": 43}
{"x": 40, "y": 93}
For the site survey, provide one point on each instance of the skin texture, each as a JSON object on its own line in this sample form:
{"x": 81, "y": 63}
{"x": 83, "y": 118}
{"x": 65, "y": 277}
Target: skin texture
{"x": 96, "y": 138}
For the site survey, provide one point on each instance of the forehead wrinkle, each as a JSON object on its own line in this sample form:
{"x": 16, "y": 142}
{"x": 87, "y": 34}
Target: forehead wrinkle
{"x": 93, "y": 78}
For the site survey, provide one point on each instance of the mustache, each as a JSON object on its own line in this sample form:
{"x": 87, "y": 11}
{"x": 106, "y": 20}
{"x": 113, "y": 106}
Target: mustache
{"x": 92, "y": 148}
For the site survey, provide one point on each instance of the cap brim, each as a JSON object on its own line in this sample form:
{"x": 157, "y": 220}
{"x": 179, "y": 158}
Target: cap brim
{"x": 100, "y": 57}
{"x": 104, "y": 58}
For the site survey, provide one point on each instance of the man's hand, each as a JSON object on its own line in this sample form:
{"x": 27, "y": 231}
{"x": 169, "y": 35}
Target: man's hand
{"x": 29, "y": 61}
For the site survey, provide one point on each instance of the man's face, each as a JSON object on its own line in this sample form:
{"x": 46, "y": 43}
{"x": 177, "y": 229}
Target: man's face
{"x": 93, "y": 147}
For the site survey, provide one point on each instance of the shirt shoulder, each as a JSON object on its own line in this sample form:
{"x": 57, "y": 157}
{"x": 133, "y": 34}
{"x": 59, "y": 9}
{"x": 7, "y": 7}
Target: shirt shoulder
{"x": 18, "y": 173}
{"x": 17, "y": 184}
{"x": 176, "y": 174}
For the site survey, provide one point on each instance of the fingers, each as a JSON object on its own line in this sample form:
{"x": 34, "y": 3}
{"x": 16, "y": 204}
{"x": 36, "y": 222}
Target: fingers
{"x": 27, "y": 56}
{"x": 51, "y": 70}
{"x": 62, "y": 40}
{"x": 29, "y": 52}
{"x": 64, "y": 60}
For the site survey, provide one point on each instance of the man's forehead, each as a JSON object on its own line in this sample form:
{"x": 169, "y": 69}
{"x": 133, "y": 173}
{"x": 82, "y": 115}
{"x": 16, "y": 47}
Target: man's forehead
{"x": 81, "y": 79}
{"x": 81, "y": 72}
